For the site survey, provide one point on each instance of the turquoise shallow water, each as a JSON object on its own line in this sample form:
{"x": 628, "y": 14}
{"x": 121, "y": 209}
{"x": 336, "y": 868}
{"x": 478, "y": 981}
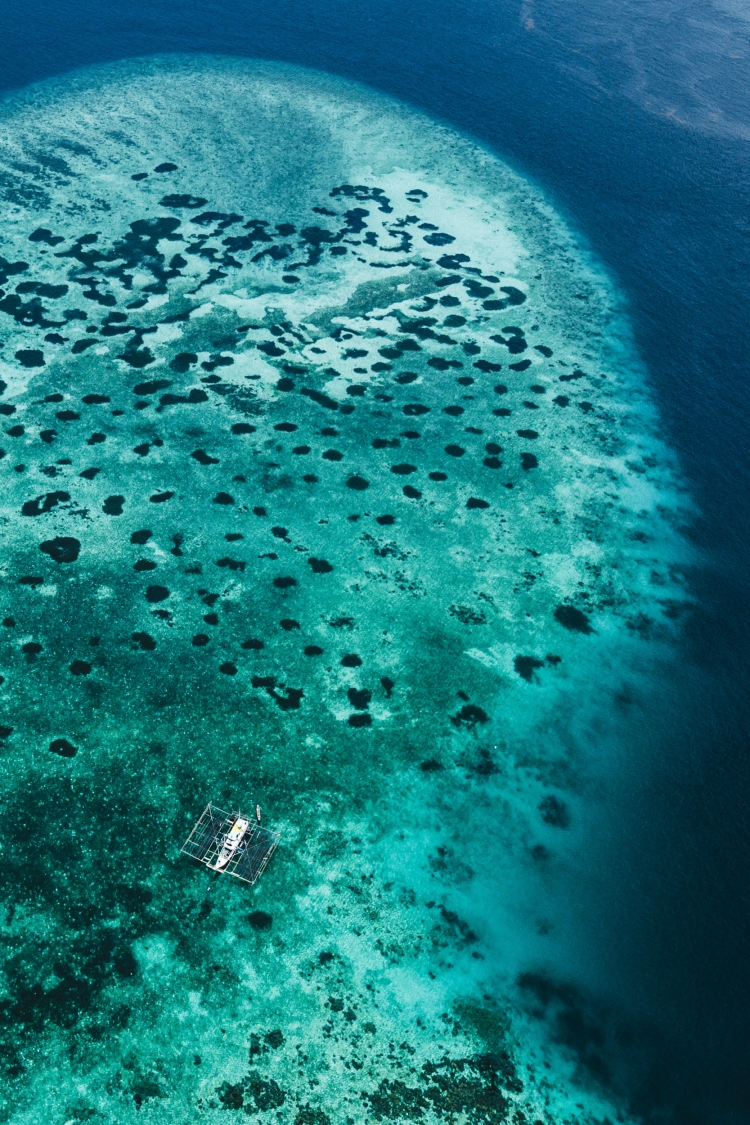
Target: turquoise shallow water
{"x": 330, "y": 482}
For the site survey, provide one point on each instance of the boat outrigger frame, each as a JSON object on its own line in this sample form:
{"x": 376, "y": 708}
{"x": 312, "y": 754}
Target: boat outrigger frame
{"x": 231, "y": 843}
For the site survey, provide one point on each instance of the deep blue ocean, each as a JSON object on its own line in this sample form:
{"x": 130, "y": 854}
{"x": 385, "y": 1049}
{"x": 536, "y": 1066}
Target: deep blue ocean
{"x": 634, "y": 119}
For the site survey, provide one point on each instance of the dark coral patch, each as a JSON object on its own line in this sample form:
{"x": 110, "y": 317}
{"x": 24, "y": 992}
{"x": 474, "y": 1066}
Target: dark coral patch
{"x": 62, "y": 747}
{"x": 321, "y": 399}
{"x": 359, "y": 698}
{"x": 284, "y": 583}
{"x": 554, "y": 812}
{"x": 204, "y": 458}
{"x": 361, "y": 719}
{"x": 443, "y": 364}
{"x": 112, "y": 506}
{"x": 144, "y": 641}
{"x": 30, "y": 357}
{"x": 526, "y": 666}
{"x": 469, "y": 715}
{"x": 320, "y": 566}
{"x": 231, "y": 564}
{"x": 573, "y": 619}
{"x": 260, "y": 920}
{"x": 43, "y": 504}
{"x": 180, "y": 202}
{"x": 42, "y": 234}
{"x": 137, "y": 357}
{"x": 62, "y": 549}
{"x": 152, "y": 387}
{"x": 156, "y": 594}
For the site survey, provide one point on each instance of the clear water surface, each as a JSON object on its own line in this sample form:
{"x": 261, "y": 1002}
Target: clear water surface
{"x": 374, "y": 450}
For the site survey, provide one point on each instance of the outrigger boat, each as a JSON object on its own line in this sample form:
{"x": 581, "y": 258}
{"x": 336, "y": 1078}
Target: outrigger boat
{"x": 231, "y": 843}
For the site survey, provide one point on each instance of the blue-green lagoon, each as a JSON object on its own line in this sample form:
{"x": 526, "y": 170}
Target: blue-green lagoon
{"x": 331, "y": 482}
